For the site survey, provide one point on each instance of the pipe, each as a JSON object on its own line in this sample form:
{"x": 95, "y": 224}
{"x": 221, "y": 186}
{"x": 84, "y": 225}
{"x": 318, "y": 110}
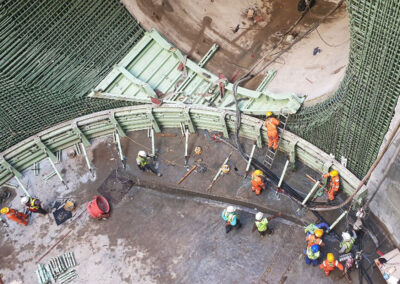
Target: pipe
{"x": 310, "y": 193}
{"x": 283, "y": 173}
{"x": 337, "y": 221}
{"x": 22, "y": 186}
{"x": 86, "y": 157}
{"x": 56, "y": 171}
{"x": 153, "y": 143}
{"x": 121, "y": 155}
{"x": 219, "y": 172}
{"x": 186, "y": 146}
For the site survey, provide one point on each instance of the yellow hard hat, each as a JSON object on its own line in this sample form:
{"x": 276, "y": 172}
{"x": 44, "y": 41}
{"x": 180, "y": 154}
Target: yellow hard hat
{"x": 268, "y": 113}
{"x": 258, "y": 173}
{"x": 225, "y": 169}
{"x": 198, "y": 150}
{"x": 4, "y": 210}
{"x": 333, "y": 173}
{"x": 330, "y": 257}
{"x": 319, "y": 233}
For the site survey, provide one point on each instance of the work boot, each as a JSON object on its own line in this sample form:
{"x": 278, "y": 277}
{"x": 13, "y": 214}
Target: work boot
{"x": 159, "y": 174}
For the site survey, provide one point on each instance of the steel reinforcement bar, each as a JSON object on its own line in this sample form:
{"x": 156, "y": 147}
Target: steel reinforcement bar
{"x": 81, "y": 130}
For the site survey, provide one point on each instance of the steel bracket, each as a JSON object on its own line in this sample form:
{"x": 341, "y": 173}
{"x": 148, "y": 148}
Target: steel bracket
{"x": 46, "y": 150}
{"x": 9, "y": 168}
{"x": 188, "y": 120}
{"x": 153, "y": 121}
{"x": 117, "y": 126}
{"x": 259, "y": 137}
{"x": 292, "y": 151}
{"x": 223, "y": 123}
{"x": 80, "y": 134}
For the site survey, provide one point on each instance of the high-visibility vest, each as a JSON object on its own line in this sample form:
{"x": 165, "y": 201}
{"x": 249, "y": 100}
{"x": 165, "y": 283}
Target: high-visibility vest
{"x": 32, "y": 205}
{"x": 310, "y": 228}
{"x": 335, "y": 183}
{"x": 348, "y": 245}
{"x": 313, "y": 240}
{"x": 230, "y": 216}
{"x": 142, "y": 161}
{"x": 262, "y": 225}
{"x": 312, "y": 255}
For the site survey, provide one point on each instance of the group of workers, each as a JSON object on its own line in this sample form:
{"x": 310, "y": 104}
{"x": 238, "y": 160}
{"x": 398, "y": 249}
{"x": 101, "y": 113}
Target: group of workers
{"x": 32, "y": 205}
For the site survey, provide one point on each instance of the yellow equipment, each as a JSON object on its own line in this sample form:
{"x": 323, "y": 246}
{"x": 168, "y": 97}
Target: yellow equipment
{"x": 69, "y": 206}
{"x": 198, "y": 150}
{"x": 225, "y": 169}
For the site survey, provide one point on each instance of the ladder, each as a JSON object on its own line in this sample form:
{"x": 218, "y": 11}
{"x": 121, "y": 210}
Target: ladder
{"x": 270, "y": 154}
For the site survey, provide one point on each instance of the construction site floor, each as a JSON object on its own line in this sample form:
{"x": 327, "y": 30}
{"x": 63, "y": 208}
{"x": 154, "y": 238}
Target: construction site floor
{"x": 162, "y": 232}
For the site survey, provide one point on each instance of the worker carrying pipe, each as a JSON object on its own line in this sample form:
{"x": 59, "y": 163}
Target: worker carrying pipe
{"x": 310, "y": 229}
{"x": 15, "y": 216}
{"x": 334, "y": 185}
{"x": 143, "y": 164}
{"x": 315, "y": 239}
{"x": 312, "y": 254}
{"x": 257, "y": 181}
{"x": 348, "y": 241}
{"x": 330, "y": 264}
{"x": 33, "y": 205}
{"x": 271, "y": 123}
{"x": 231, "y": 218}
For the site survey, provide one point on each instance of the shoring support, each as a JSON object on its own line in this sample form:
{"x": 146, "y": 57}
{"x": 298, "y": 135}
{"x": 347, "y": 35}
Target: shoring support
{"x": 186, "y": 146}
{"x": 292, "y": 153}
{"x": 315, "y": 186}
{"x": 283, "y": 173}
{"x": 80, "y": 134}
{"x": 17, "y": 174}
{"x": 52, "y": 158}
{"x": 153, "y": 121}
{"x": 188, "y": 120}
{"x": 153, "y": 143}
{"x": 117, "y": 126}
{"x": 121, "y": 154}
{"x": 337, "y": 221}
{"x": 223, "y": 124}
{"x": 86, "y": 157}
{"x": 249, "y": 162}
{"x": 325, "y": 168}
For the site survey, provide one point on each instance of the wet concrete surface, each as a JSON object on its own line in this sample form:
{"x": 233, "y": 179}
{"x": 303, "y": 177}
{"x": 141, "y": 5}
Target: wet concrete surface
{"x": 173, "y": 233}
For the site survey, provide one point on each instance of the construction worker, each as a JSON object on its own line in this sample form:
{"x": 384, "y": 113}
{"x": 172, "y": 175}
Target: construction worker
{"x": 310, "y": 229}
{"x": 334, "y": 185}
{"x": 315, "y": 239}
{"x": 261, "y": 224}
{"x": 15, "y": 216}
{"x": 330, "y": 263}
{"x": 348, "y": 241}
{"x": 143, "y": 163}
{"x": 312, "y": 254}
{"x": 257, "y": 181}
{"x": 271, "y": 123}
{"x": 33, "y": 205}
{"x": 231, "y": 218}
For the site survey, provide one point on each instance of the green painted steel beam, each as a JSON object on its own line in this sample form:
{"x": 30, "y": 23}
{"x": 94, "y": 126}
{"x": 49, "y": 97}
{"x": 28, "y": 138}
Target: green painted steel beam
{"x": 46, "y": 150}
{"x": 116, "y": 125}
{"x": 80, "y": 134}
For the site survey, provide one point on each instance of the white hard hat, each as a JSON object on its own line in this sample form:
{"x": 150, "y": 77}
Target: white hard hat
{"x": 24, "y": 200}
{"x": 346, "y": 236}
{"x": 259, "y": 216}
{"x": 230, "y": 209}
{"x": 142, "y": 153}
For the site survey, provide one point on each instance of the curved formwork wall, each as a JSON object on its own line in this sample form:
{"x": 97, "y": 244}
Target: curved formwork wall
{"x": 53, "y": 52}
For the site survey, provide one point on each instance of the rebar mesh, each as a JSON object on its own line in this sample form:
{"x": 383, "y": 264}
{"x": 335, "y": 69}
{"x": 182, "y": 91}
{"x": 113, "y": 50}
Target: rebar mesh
{"x": 355, "y": 120}
{"x": 52, "y": 52}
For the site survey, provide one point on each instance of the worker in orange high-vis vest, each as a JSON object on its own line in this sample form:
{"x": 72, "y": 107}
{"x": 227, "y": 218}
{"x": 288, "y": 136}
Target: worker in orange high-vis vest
{"x": 271, "y": 123}
{"x": 257, "y": 181}
{"x": 330, "y": 264}
{"x": 316, "y": 238}
{"x": 334, "y": 185}
{"x": 15, "y": 216}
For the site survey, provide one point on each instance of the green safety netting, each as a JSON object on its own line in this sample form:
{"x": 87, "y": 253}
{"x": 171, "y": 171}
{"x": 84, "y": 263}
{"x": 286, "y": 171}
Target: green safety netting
{"x": 52, "y": 52}
{"x": 355, "y": 120}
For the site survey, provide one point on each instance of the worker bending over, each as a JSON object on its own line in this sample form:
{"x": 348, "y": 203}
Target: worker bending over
{"x": 143, "y": 164}
{"x": 330, "y": 264}
{"x": 33, "y": 205}
{"x": 315, "y": 239}
{"x": 348, "y": 241}
{"x": 257, "y": 181}
{"x": 271, "y": 123}
{"x": 312, "y": 254}
{"x": 15, "y": 216}
{"x": 261, "y": 224}
{"x": 334, "y": 185}
{"x": 231, "y": 218}
{"x": 310, "y": 229}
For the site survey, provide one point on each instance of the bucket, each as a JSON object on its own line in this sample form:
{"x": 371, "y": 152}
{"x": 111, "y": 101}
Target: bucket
{"x": 98, "y": 208}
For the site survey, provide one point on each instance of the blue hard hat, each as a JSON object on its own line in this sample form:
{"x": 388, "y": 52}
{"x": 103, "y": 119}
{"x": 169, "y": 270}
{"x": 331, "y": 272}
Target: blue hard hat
{"x": 315, "y": 248}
